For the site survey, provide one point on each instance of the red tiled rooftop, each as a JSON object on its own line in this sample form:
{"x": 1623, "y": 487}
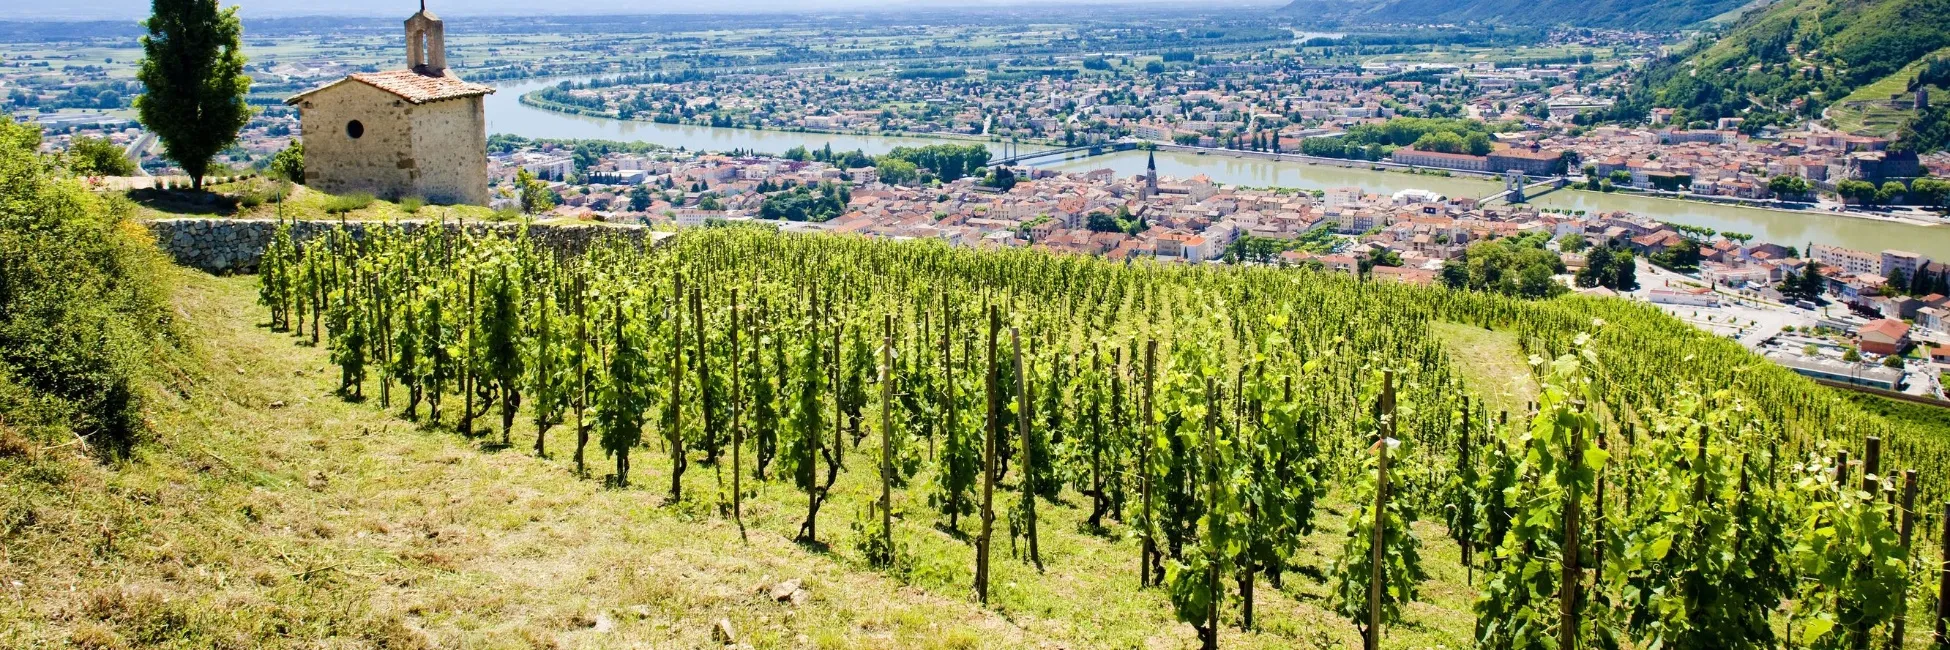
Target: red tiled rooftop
{"x": 410, "y": 86}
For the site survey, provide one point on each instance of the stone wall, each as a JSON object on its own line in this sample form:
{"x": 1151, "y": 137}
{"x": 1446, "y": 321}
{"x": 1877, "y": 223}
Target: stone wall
{"x": 436, "y": 151}
{"x": 450, "y": 151}
{"x": 236, "y": 245}
{"x": 378, "y": 162}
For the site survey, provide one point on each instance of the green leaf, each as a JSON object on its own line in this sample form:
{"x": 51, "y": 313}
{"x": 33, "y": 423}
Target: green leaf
{"x": 1660, "y": 547}
{"x": 1815, "y": 629}
{"x": 1595, "y": 458}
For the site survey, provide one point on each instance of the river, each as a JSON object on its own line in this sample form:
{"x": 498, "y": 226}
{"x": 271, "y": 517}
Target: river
{"x": 506, "y": 114}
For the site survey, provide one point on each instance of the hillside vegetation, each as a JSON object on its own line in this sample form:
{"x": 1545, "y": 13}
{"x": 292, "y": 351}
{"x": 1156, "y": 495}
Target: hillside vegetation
{"x": 1799, "y": 57}
{"x": 1657, "y": 15}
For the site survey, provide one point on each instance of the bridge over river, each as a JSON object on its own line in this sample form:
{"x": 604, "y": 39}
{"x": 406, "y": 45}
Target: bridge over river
{"x": 1515, "y": 191}
{"x": 1087, "y": 150}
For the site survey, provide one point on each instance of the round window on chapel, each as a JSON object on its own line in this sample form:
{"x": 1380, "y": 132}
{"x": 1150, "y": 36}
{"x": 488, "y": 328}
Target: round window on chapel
{"x": 355, "y": 129}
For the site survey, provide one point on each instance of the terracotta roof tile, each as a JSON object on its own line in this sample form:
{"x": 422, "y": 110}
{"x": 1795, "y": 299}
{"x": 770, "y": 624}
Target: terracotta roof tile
{"x": 411, "y": 86}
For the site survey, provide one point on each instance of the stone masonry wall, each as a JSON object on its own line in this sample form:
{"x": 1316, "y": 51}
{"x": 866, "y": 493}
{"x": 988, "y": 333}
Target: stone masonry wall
{"x": 236, "y": 245}
{"x": 379, "y": 162}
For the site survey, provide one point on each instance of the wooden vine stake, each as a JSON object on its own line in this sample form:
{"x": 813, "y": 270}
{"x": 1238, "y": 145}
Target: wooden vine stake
{"x": 1211, "y": 631}
{"x": 1373, "y": 636}
{"x": 676, "y": 433}
{"x": 1149, "y": 555}
{"x": 887, "y": 439}
{"x": 1468, "y": 541}
{"x": 1375, "y": 582}
{"x": 737, "y": 422}
{"x": 582, "y": 372}
{"x": 1567, "y": 626}
{"x": 988, "y": 469}
{"x": 1904, "y": 529}
{"x": 1023, "y": 419}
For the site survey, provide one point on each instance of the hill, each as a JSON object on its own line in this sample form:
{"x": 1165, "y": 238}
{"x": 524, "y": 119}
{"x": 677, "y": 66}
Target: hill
{"x": 379, "y": 442}
{"x": 1655, "y": 15}
{"x": 1800, "y": 57}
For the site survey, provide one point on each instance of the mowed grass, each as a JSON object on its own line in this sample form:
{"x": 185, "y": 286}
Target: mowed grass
{"x": 270, "y": 513}
{"x": 1493, "y": 366}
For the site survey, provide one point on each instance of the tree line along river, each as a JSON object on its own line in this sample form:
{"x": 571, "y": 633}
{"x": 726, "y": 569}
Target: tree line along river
{"x": 506, "y": 114}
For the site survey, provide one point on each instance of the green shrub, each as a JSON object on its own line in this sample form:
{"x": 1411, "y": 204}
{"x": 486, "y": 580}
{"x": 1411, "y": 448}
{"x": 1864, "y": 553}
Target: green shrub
{"x": 347, "y": 203}
{"x": 289, "y": 164}
{"x": 98, "y": 157}
{"x": 412, "y": 204}
{"x": 83, "y": 313}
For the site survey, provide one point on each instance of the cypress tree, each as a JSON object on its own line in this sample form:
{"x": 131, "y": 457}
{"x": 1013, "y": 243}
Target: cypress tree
{"x": 193, "y": 70}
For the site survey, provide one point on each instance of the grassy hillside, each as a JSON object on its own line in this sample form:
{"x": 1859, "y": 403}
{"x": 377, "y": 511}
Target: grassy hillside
{"x": 1802, "y": 56}
{"x": 1870, "y": 110}
{"x": 1617, "y": 14}
{"x": 270, "y": 514}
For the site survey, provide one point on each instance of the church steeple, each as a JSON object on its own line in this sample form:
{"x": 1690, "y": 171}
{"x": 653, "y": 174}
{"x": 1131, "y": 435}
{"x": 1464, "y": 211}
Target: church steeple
{"x": 426, "y": 43}
{"x": 1151, "y": 172}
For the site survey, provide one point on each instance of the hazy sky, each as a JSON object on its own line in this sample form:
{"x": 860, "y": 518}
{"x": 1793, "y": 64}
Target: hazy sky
{"x": 137, "y": 9}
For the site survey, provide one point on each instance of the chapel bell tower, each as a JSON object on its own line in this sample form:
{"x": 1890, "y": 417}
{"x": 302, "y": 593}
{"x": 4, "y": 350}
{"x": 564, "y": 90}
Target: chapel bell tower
{"x": 426, "y": 43}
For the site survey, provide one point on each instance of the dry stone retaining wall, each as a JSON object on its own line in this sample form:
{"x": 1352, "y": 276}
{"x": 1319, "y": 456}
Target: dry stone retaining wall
{"x": 236, "y": 245}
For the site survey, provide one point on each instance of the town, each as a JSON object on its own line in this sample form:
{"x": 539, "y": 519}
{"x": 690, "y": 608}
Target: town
{"x": 1888, "y": 326}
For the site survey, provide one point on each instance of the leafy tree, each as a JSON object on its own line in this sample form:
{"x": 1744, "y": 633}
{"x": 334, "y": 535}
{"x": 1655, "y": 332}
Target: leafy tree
{"x": 895, "y": 171}
{"x": 1930, "y": 191}
{"x": 98, "y": 157}
{"x": 804, "y": 204}
{"x": 1001, "y": 178}
{"x": 1806, "y": 285}
{"x": 289, "y": 163}
{"x": 640, "y": 198}
{"x": 534, "y": 194}
{"x": 1441, "y": 141}
{"x": 1890, "y": 191}
{"x": 1503, "y": 266}
{"x": 1787, "y": 185}
{"x": 1859, "y": 191}
{"x": 1573, "y": 243}
{"x": 193, "y": 69}
{"x": 1684, "y": 256}
{"x": 948, "y": 161}
{"x": 1670, "y": 182}
{"x": 1609, "y": 267}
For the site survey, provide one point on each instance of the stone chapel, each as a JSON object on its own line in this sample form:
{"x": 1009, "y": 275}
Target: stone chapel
{"x": 417, "y": 132}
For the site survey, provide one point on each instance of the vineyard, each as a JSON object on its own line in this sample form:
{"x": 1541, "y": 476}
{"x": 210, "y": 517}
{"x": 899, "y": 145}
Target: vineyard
{"x": 1664, "y": 488}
